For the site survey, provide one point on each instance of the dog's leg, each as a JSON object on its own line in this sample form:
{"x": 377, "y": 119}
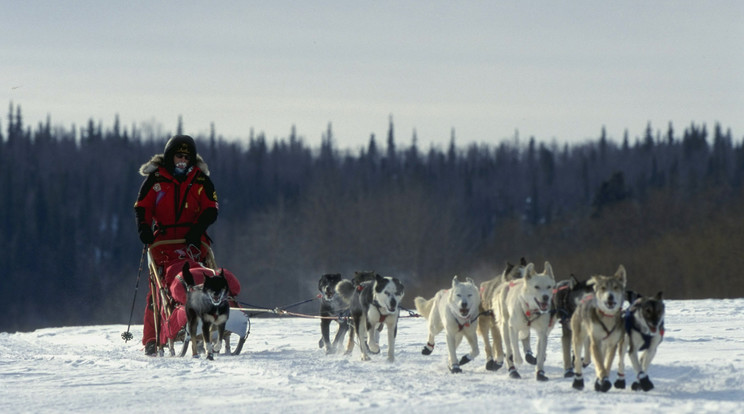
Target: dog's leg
{"x": 373, "y": 338}
{"x": 192, "y": 334}
{"x": 350, "y": 343}
{"x": 473, "y": 341}
{"x": 578, "y": 346}
{"x": 343, "y": 327}
{"x": 325, "y": 329}
{"x": 566, "y": 348}
{"x": 542, "y": 347}
{"x": 602, "y": 382}
{"x": 361, "y": 328}
{"x": 207, "y": 338}
{"x": 620, "y": 381}
{"x": 528, "y": 355}
{"x": 484, "y": 328}
{"x": 498, "y": 347}
{"x": 391, "y": 333}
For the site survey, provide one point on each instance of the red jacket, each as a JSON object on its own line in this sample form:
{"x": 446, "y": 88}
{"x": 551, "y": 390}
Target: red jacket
{"x": 171, "y": 206}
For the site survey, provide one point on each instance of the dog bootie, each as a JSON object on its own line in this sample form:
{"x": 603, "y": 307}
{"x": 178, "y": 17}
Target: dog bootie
{"x": 493, "y": 365}
{"x": 620, "y": 382}
{"x": 578, "y": 383}
{"x": 455, "y": 369}
{"x": 530, "y": 358}
{"x": 465, "y": 359}
{"x": 541, "y": 376}
{"x": 643, "y": 383}
{"x": 602, "y": 386}
{"x": 428, "y": 348}
{"x": 513, "y": 374}
{"x": 568, "y": 373}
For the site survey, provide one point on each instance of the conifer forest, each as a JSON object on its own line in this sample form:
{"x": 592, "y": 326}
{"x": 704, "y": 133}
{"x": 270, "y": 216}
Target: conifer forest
{"x": 663, "y": 201}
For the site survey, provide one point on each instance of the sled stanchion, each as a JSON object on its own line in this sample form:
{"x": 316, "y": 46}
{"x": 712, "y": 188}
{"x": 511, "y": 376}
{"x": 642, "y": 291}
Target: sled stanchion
{"x": 126, "y": 336}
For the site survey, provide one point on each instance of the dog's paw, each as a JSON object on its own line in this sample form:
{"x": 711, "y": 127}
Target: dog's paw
{"x": 373, "y": 348}
{"x": 569, "y": 373}
{"x": 646, "y": 384}
{"x": 465, "y": 359}
{"x": 620, "y": 383}
{"x": 365, "y": 357}
{"x": 541, "y": 376}
{"x": 210, "y": 357}
{"x": 391, "y": 359}
{"x": 455, "y": 369}
{"x": 428, "y": 349}
{"x": 513, "y": 374}
{"x": 530, "y": 358}
{"x": 578, "y": 383}
{"x": 585, "y": 363}
{"x": 635, "y": 386}
{"x": 320, "y": 343}
{"x": 603, "y": 385}
{"x": 493, "y": 365}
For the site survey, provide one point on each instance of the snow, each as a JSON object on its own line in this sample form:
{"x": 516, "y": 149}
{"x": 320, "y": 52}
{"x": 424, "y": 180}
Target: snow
{"x": 281, "y": 369}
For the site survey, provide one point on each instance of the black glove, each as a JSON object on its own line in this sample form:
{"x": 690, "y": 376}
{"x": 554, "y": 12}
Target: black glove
{"x": 193, "y": 236}
{"x": 145, "y": 234}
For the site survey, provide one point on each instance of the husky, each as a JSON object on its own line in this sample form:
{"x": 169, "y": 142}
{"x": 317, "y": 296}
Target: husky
{"x": 524, "y": 304}
{"x": 598, "y": 317}
{"x": 206, "y": 303}
{"x": 455, "y": 311}
{"x": 487, "y": 325}
{"x": 373, "y": 304}
{"x": 568, "y": 295}
{"x": 644, "y": 331}
{"x": 333, "y": 306}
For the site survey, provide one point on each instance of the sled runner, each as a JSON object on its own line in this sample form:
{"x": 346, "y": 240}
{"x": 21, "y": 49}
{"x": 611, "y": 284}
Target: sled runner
{"x": 169, "y": 292}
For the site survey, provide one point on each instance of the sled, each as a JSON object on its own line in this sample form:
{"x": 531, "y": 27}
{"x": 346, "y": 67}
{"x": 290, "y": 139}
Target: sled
{"x": 169, "y": 295}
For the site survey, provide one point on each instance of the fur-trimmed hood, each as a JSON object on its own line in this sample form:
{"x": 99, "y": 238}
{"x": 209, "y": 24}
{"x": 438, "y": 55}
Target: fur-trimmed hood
{"x": 157, "y": 161}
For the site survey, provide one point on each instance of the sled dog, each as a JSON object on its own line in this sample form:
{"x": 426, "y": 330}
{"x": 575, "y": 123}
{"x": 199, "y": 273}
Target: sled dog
{"x": 644, "y": 331}
{"x": 206, "y": 303}
{"x": 524, "y": 304}
{"x": 373, "y": 304}
{"x": 487, "y": 326}
{"x": 333, "y": 306}
{"x": 598, "y": 317}
{"x": 455, "y": 311}
{"x": 568, "y": 295}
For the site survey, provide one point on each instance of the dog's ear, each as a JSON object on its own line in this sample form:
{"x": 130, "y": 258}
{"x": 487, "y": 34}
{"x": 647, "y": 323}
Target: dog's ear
{"x": 509, "y": 268}
{"x": 529, "y": 271}
{"x": 379, "y": 279}
{"x": 659, "y": 296}
{"x": 186, "y": 274}
{"x": 523, "y": 261}
{"x": 621, "y": 274}
{"x": 222, "y": 273}
{"x": 572, "y": 281}
{"x": 455, "y": 281}
{"x": 548, "y": 270}
{"x": 592, "y": 281}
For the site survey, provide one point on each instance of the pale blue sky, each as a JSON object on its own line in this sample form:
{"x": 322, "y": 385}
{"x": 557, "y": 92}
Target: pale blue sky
{"x": 550, "y": 69}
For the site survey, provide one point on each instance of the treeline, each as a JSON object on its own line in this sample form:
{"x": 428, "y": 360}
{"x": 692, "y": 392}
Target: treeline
{"x": 665, "y": 204}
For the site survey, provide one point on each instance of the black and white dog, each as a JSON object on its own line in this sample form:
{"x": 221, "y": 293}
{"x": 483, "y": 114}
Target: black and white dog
{"x": 644, "y": 331}
{"x": 333, "y": 306}
{"x": 373, "y": 304}
{"x": 206, "y": 303}
{"x": 568, "y": 295}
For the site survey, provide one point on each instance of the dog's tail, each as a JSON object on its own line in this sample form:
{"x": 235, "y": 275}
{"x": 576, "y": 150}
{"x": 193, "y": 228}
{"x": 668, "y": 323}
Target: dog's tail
{"x": 423, "y": 306}
{"x": 188, "y": 278}
{"x": 345, "y": 290}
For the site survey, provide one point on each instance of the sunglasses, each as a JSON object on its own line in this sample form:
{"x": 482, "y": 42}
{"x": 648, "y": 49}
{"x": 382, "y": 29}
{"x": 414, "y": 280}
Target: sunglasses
{"x": 182, "y": 155}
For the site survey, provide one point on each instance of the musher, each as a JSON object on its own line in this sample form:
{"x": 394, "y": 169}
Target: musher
{"x": 177, "y": 200}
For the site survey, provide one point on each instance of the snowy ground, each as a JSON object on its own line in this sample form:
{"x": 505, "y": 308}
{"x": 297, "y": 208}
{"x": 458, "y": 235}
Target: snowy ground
{"x": 90, "y": 369}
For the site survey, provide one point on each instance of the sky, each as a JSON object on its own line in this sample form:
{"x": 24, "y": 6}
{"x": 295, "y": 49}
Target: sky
{"x": 487, "y": 70}
{"x": 90, "y": 369}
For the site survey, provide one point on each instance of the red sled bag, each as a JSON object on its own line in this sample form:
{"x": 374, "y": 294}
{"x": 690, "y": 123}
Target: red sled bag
{"x": 177, "y": 288}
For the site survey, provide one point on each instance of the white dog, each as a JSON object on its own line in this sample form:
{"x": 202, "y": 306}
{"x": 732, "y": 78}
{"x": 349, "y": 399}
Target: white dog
{"x": 524, "y": 304}
{"x": 455, "y": 311}
{"x": 599, "y": 318}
